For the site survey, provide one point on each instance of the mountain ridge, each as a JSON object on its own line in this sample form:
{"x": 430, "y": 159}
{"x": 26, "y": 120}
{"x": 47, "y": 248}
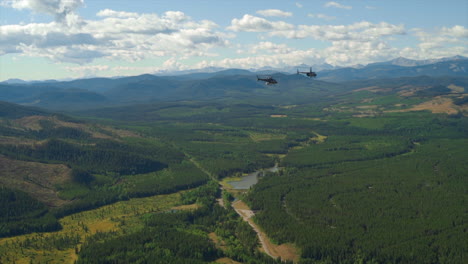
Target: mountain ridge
{"x": 230, "y": 84}
{"x": 212, "y": 71}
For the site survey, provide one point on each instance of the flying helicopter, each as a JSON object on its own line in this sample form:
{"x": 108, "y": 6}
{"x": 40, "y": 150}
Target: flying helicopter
{"x": 309, "y": 73}
{"x": 268, "y": 80}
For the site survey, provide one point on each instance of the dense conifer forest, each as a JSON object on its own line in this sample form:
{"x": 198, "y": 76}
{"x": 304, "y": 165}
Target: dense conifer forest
{"x": 366, "y": 174}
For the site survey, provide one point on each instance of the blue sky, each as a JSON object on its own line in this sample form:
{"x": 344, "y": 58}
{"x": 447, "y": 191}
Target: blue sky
{"x": 56, "y": 39}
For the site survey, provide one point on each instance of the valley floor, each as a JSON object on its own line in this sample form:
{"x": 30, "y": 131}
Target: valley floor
{"x": 285, "y": 252}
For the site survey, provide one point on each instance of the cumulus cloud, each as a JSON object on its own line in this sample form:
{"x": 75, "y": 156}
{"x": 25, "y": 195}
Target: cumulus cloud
{"x": 117, "y": 35}
{"x": 360, "y": 42}
{"x": 113, "y": 13}
{"x": 274, "y": 13}
{"x": 360, "y": 31}
{"x": 292, "y": 57}
{"x": 455, "y": 31}
{"x": 356, "y": 52}
{"x": 337, "y": 5}
{"x": 343, "y": 53}
{"x": 172, "y": 64}
{"x": 251, "y": 23}
{"x": 60, "y": 9}
{"x": 121, "y": 35}
{"x": 357, "y": 43}
{"x": 267, "y": 47}
{"x": 14, "y": 37}
{"x": 441, "y": 42}
{"x": 70, "y": 54}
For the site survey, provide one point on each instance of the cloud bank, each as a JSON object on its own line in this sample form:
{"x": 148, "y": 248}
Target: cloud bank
{"x": 60, "y": 9}
{"x": 118, "y": 35}
{"x": 174, "y": 38}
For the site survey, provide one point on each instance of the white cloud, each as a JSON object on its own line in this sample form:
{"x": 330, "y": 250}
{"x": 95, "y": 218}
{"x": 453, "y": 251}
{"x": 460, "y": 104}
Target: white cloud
{"x": 343, "y": 53}
{"x": 118, "y": 35}
{"x": 251, "y": 23}
{"x": 70, "y": 54}
{"x": 441, "y": 42}
{"x": 274, "y": 13}
{"x": 360, "y": 42}
{"x": 176, "y": 16}
{"x": 337, "y": 5}
{"x": 112, "y": 13}
{"x": 360, "y": 31}
{"x": 299, "y": 5}
{"x": 456, "y": 31}
{"x": 293, "y": 57}
{"x": 60, "y": 9}
{"x": 322, "y": 16}
{"x": 268, "y": 47}
{"x": 352, "y": 52}
{"x": 173, "y": 64}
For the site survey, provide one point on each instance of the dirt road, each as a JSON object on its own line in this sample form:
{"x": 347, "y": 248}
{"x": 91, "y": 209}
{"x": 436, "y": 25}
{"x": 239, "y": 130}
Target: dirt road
{"x": 284, "y": 251}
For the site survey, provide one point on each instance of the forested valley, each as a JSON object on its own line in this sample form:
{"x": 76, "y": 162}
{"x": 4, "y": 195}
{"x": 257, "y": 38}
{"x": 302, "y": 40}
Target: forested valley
{"x": 367, "y": 173}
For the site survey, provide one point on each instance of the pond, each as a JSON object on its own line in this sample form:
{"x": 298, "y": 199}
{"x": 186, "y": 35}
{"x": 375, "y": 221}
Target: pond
{"x": 250, "y": 180}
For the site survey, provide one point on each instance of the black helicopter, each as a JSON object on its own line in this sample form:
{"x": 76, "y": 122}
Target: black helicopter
{"x": 268, "y": 80}
{"x": 309, "y": 73}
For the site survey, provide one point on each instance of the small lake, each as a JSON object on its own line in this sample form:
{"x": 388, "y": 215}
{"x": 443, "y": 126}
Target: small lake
{"x": 249, "y": 180}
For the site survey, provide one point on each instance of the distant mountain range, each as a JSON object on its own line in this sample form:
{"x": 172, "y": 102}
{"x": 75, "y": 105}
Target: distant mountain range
{"x": 228, "y": 84}
{"x": 394, "y": 69}
{"x": 400, "y": 61}
{"x": 217, "y": 71}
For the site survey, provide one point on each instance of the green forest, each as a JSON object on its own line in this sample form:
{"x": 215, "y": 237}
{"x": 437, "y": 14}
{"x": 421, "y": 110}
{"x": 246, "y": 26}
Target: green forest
{"x": 401, "y": 203}
{"x": 363, "y": 177}
{"x": 179, "y": 237}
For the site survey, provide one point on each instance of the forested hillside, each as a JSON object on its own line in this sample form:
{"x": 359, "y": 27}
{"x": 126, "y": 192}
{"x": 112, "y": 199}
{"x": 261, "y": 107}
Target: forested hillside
{"x": 231, "y": 85}
{"x": 387, "y": 194}
{"x": 369, "y": 172}
{"x": 101, "y": 165}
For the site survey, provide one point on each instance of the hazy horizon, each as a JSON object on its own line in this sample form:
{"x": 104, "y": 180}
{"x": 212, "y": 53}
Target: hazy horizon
{"x": 76, "y": 38}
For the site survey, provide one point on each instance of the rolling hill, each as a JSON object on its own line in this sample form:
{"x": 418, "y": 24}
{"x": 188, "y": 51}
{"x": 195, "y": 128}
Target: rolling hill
{"x": 349, "y": 153}
{"x": 231, "y": 84}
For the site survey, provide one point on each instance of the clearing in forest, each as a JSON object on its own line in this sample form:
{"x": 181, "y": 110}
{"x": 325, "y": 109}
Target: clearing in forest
{"x": 123, "y": 216}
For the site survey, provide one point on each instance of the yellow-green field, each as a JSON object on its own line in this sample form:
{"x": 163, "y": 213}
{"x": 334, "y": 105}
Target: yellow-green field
{"x": 121, "y": 217}
{"x": 265, "y": 136}
{"x": 316, "y": 140}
